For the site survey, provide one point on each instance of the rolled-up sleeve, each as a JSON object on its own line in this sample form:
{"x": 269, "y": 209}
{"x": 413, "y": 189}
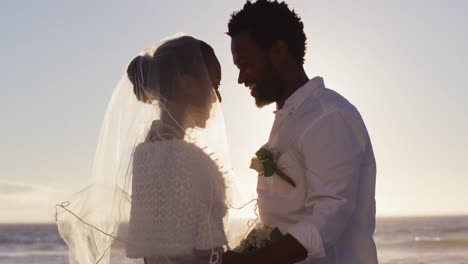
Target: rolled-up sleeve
{"x": 330, "y": 150}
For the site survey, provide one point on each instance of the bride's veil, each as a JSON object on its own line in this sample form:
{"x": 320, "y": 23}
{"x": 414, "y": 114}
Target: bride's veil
{"x": 93, "y": 223}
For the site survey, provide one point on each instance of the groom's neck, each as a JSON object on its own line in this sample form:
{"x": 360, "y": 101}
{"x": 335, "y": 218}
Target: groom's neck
{"x": 292, "y": 81}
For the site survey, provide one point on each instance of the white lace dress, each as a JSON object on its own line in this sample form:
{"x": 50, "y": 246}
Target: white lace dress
{"x": 178, "y": 201}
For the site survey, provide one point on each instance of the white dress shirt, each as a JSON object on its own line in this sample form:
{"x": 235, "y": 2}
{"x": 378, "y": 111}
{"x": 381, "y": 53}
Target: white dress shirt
{"x": 322, "y": 144}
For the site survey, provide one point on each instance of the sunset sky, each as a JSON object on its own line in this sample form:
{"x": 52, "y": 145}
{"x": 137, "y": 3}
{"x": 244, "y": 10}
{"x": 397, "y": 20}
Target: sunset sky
{"x": 403, "y": 64}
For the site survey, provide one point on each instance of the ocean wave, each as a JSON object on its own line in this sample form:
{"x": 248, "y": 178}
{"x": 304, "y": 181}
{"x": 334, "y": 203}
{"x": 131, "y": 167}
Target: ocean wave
{"x": 427, "y": 241}
{"x": 30, "y": 235}
{"x": 30, "y": 241}
{"x": 454, "y": 230}
{"x": 33, "y": 253}
{"x": 421, "y": 230}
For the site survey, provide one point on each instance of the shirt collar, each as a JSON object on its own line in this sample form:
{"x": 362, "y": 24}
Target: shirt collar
{"x": 300, "y": 95}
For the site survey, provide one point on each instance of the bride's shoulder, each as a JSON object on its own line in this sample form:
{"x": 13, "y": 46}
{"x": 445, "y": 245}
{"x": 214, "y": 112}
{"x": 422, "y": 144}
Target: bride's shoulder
{"x": 176, "y": 157}
{"x": 168, "y": 148}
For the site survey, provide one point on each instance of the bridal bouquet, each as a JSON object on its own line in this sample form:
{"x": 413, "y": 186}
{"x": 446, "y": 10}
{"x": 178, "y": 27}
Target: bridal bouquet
{"x": 261, "y": 236}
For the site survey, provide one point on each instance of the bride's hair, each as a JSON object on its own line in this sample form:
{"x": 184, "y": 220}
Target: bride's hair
{"x": 157, "y": 75}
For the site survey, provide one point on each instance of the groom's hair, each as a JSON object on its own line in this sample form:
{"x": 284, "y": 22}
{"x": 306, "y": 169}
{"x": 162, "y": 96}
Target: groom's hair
{"x": 268, "y": 21}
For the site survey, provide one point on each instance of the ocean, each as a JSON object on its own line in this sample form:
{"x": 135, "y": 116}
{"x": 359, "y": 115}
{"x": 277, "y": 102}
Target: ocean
{"x": 421, "y": 240}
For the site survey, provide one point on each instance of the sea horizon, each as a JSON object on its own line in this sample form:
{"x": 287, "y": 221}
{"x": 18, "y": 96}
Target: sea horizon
{"x": 377, "y": 218}
{"x": 440, "y": 239}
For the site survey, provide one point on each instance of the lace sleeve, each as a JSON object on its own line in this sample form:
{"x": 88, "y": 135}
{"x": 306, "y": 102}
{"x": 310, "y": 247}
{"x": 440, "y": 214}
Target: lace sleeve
{"x": 210, "y": 231}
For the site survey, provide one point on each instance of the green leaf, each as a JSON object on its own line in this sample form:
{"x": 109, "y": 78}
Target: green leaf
{"x": 269, "y": 168}
{"x": 264, "y": 154}
{"x": 275, "y": 235}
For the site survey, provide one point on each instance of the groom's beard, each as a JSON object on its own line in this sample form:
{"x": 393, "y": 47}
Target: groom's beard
{"x": 269, "y": 89}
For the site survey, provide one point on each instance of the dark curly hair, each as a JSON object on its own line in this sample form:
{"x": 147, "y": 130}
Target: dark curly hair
{"x": 268, "y": 21}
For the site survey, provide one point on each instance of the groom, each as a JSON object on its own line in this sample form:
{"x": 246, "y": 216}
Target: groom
{"x": 322, "y": 143}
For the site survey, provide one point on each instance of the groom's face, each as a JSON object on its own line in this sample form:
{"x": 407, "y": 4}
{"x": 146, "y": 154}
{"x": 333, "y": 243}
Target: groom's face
{"x": 256, "y": 70}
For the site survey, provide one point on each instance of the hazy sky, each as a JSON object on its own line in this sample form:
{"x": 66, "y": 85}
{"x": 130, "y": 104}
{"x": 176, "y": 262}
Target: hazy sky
{"x": 403, "y": 64}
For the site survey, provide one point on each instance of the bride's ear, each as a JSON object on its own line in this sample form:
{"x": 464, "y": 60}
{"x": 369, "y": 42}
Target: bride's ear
{"x": 184, "y": 89}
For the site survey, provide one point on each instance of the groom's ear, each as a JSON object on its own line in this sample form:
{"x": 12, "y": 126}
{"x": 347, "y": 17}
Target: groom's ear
{"x": 278, "y": 52}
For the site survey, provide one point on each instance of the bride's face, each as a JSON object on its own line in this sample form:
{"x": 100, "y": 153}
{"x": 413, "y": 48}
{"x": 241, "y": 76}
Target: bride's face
{"x": 201, "y": 93}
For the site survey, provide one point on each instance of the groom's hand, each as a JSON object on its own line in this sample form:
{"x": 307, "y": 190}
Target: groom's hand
{"x": 284, "y": 251}
{"x": 231, "y": 257}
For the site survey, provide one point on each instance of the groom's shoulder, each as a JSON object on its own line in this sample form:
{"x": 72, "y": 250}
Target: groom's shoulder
{"x": 327, "y": 101}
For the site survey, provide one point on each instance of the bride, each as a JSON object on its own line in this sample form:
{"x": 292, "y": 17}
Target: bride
{"x": 162, "y": 189}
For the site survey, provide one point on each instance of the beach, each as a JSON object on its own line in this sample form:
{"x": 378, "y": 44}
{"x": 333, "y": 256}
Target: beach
{"x": 408, "y": 240}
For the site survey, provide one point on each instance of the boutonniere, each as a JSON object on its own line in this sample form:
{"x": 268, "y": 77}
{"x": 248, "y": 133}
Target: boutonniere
{"x": 265, "y": 162}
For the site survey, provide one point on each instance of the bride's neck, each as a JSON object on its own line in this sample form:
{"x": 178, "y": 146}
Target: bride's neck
{"x": 175, "y": 118}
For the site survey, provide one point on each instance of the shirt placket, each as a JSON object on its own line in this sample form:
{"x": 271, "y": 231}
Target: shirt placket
{"x": 279, "y": 121}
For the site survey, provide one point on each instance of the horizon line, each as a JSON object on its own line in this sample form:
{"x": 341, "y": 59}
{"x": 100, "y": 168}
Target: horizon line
{"x": 377, "y": 217}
